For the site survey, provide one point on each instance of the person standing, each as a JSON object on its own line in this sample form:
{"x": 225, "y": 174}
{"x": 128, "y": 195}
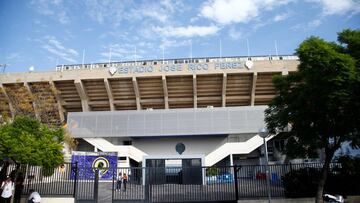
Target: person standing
{"x": 19, "y": 185}
{"x": 34, "y": 197}
{"x": 7, "y": 190}
{"x": 125, "y": 179}
{"x": 118, "y": 182}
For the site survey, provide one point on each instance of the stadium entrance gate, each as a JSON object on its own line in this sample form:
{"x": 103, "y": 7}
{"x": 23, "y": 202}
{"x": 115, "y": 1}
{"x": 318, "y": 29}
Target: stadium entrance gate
{"x": 171, "y": 184}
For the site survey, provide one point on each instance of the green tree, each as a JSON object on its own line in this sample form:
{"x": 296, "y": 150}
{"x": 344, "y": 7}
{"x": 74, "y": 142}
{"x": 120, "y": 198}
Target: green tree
{"x": 40, "y": 104}
{"x": 350, "y": 41}
{"x": 26, "y": 141}
{"x": 317, "y": 102}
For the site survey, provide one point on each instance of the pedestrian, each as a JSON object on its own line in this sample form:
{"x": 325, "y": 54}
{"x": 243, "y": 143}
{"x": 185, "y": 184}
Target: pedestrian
{"x": 19, "y": 185}
{"x": 34, "y": 197}
{"x": 7, "y": 190}
{"x": 118, "y": 182}
{"x": 125, "y": 179}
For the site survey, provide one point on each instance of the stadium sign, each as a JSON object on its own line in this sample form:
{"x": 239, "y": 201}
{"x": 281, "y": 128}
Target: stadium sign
{"x": 123, "y": 69}
{"x": 191, "y": 67}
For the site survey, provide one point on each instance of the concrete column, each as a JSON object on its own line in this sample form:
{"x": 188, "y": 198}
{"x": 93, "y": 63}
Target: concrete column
{"x": 231, "y": 160}
{"x": 253, "y": 87}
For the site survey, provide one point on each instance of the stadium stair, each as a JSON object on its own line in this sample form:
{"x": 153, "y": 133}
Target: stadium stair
{"x": 106, "y": 146}
{"x": 234, "y": 148}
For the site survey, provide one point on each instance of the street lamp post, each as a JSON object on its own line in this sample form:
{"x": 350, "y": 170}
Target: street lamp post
{"x": 264, "y": 133}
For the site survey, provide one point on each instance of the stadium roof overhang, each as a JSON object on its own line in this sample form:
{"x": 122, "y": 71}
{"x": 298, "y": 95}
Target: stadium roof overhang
{"x": 225, "y": 82}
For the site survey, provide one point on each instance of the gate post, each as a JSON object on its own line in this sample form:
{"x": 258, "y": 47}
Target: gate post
{"x": 236, "y": 183}
{"x": 75, "y": 170}
{"x": 96, "y": 186}
{"x": 147, "y": 183}
{"x": 113, "y": 184}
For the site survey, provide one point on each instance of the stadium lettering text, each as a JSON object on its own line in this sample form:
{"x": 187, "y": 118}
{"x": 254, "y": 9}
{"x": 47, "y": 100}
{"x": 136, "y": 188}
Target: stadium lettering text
{"x": 230, "y": 65}
{"x": 171, "y": 68}
{"x": 179, "y": 68}
{"x": 135, "y": 69}
{"x": 194, "y": 67}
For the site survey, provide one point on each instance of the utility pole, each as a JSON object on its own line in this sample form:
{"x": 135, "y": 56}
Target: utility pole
{"x": 3, "y": 66}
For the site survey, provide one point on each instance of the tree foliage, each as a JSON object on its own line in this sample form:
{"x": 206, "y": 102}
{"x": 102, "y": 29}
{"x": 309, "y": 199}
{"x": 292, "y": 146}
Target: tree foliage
{"x": 34, "y": 100}
{"x": 319, "y": 101}
{"x": 37, "y": 100}
{"x": 27, "y": 141}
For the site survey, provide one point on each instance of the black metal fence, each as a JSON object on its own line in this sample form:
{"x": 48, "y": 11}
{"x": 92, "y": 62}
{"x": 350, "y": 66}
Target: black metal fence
{"x": 48, "y": 183}
{"x": 162, "y": 184}
{"x": 174, "y": 184}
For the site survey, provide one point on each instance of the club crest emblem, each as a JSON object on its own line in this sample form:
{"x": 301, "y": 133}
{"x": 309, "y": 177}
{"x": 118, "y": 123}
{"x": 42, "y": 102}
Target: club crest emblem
{"x": 112, "y": 70}
{"x": 249, "y": 64}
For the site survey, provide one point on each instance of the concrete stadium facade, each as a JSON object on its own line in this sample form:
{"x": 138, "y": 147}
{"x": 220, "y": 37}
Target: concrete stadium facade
{"x": 212, "y": 107}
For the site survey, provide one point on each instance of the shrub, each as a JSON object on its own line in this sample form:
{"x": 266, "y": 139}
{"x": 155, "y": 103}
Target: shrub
{"x": 301, "y": 183}
{"x": 344, "y": 179}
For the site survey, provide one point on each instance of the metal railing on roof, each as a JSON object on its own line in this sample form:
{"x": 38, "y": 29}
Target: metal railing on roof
{"x": 176, "y": 61}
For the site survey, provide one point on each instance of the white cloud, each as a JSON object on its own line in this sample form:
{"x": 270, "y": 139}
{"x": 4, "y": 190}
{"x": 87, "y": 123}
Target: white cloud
{"x": 282, "y": 16}
{"x": 120, "y": 11}
{"x": 235, "y": 34}
{"x": 168, "y": 5}
{"x": 167, "y": 43}
{"x": 315, "y": 23}
{"x": 189, "y": 31}
{"x": 236, "y": 11}
{"x": 62, "y": 17}
{"x": 105, "y": 11}
{"x": 52, "y": 8}
{"x": 307, "y": 26}
{"x": 338, "y": 7}
{"x": 226, "y": 12}
{"x": 160, "y": 16}
{"x": 13, "y": 56}
{"x": 54, "y": 46}
{"x": 123, "y": 51}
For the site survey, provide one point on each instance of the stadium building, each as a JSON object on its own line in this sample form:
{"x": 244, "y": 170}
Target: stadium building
{"x": 201, "y": 111}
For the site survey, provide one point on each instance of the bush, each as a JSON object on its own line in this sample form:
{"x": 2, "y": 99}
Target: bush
{"x": 212, "y": 171}
{"x": 301, "y": 183}
{"x": 346, "y": 179}
{"x": 343, "y": 184}
{"x": 343, "y": 180}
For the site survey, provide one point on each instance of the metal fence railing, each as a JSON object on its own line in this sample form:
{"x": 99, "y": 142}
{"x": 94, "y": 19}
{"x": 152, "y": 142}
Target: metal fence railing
{"x": 57, "y": 182}
{"x": 160, "y": 184}
{"x": 174, "y": 184}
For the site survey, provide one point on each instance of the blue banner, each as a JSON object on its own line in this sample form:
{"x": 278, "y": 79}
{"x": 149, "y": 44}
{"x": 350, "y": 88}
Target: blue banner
{"x": 88, "y": 162}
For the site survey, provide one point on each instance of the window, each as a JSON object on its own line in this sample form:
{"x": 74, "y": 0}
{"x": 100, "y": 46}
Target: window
{"x": 122, "y": 158}
{"x": 127, "y": 142}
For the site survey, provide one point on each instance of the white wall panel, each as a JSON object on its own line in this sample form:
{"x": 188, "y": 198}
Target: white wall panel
{"x": 167, "y": 122}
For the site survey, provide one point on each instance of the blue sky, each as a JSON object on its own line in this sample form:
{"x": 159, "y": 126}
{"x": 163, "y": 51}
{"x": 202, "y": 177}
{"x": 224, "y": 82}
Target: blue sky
{"x": 44, "y": 33}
